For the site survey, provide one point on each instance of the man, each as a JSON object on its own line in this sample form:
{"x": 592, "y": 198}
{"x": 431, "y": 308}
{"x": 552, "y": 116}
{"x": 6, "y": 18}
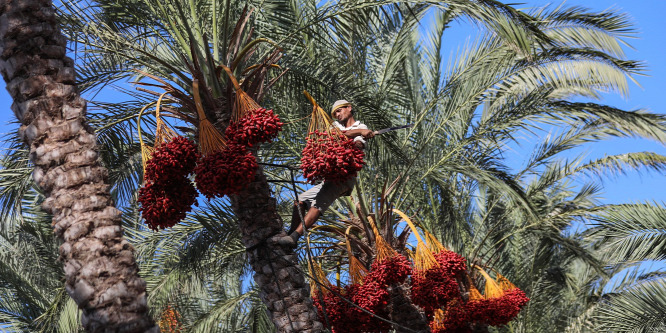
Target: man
{"x": 317, "y": 199}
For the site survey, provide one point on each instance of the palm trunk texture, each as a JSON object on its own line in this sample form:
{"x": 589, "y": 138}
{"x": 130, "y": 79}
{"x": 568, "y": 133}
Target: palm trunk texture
{"x": 276, "y": 270}
{"x": 101, "y": 273}
{"x": 404, "y": 312}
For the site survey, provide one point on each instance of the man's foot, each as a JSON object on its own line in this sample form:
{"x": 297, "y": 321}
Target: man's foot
{"x": 295, "y": 236}
{"x": 290, "y": 241}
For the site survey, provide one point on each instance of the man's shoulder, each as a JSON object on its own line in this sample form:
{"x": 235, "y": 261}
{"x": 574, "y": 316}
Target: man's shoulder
{"x": 356, "y": 125}
{"x": 360, "y": 125}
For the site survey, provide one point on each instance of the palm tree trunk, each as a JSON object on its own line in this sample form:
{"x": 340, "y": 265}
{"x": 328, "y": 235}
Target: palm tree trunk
{"x": 282, "y": 284}
{"x": 404, "y": 312}
{"x": 101, "y": 273}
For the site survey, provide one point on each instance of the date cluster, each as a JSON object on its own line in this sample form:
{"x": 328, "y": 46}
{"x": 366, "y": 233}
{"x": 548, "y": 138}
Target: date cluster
{"x": 437, "y": 291}
{"x": 225, "y": 172}
{"x": 365, "y": 301}
{"x": 168, "y": 193}
{"x": 330, "y": 157}
{"x": 256, "y": 126}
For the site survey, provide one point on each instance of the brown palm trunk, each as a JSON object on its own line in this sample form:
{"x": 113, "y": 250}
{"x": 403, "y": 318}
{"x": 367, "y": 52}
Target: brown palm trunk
{"x": 282, "y": 284}
{"x": 101, "y": 273}
{"x": 404, "y": 312}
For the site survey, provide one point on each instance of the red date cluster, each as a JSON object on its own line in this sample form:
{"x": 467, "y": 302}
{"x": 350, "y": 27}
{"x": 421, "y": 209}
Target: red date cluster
{"x": 170, "y": 321}
{"x": 451, "y": 262}
{"x": 433, "y": 288}
{"x": 168, "y": 194}
{"x": 176, "y": 158}
{"x": 454, "y": 319}
{"x": 498, "y": 311}
{"x": 438, "y": 285}
{"x": 436, "y": 290}
{"x": 372, "y": 295}
{"x": 330, "y": 157}
{"x": 225, "y": 172}
{"x": 335, "y": 306}
{"x": 344, "y": 317}
{"x": 165, "y": 204}
{"x": 457, "y": 315}
{"x": 256, "y": 126}
{"x": 390, "y": 271}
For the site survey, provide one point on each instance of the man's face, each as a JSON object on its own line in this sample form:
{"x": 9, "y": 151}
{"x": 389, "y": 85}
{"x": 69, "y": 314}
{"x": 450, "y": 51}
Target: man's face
{"x": 343, "y": 113}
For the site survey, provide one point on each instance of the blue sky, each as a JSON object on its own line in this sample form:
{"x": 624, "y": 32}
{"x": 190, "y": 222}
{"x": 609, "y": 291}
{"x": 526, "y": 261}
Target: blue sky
{"x": 650, "y": 47}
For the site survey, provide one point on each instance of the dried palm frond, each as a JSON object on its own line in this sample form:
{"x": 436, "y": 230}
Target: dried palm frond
{"x": 438, "y": 320}
{"x": 163, "y": 133}
{"x": 492, "y": 289}
{"x": 474, "y": 293}
{"x": 433, "y": 243}
{"x": 320, "y": 121}
{"x": 356, "y": 269}
{"x": 210, "y": 139}
{"x": 423, "y": 257}
{"x": 244, "y": 103}
{"x": 383, "y": 250}
{"x": 318, "y": 279}
{"x": 146, "y": 150}
{"x": 504, "y": 283}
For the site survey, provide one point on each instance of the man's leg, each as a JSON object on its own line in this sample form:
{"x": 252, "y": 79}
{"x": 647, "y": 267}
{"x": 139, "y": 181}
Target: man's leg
{"x": 310, "y": 219}
{"x": 319, "y": 198}
{"x": 297, "y": 216}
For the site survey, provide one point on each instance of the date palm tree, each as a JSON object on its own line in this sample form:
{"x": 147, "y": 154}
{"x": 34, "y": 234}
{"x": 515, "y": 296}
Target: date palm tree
{"x": 454, "y": 174}
{"x": 100, "y": 272}
{"x": 174, "y": 42}
{"x": 519, "y": 76}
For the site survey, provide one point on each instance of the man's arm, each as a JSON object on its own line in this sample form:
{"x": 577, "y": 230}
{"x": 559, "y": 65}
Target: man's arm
{"x": 365, "y": 133}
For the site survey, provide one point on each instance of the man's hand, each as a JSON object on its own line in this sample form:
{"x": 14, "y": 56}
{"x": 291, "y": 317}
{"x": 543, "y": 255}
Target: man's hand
{"x": 367, "y": 134}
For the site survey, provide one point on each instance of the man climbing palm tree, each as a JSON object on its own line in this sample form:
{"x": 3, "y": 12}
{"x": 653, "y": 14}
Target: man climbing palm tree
{"x": 317, "y": 199}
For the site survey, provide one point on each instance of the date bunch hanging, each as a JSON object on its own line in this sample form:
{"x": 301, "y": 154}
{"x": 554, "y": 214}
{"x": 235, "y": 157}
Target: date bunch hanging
{"x": 328, "y": 154}
{"x": 438, "y": 285}
{"x": 170, "y": 321}
{"x": 255, "y": 126}
{"x": 347, "y": 316}
{"x": 437, "y": 281}
{"x": 228, "y": 167}
{"x": 498, "y": 311}
{"x": 501, "y": 303}
{"x": 454, "y": 317}
{"x": 226, "y": 171}
{"x": 168, "y": 194}
{"x": 250, "y": 123}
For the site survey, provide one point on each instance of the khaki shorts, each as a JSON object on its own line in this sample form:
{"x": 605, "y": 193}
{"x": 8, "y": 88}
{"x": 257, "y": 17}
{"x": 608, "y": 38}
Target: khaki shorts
{"x": 323, "y": 195}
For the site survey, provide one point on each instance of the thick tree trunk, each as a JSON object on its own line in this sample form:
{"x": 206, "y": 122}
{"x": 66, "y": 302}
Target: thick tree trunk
{"x": 282, "y": 284}
{"x": 101, "y": 273}
{"x": 404, "y": 312}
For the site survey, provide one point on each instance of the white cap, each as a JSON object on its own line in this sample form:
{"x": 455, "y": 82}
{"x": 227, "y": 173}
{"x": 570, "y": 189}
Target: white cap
{"x": 338, "y": 104}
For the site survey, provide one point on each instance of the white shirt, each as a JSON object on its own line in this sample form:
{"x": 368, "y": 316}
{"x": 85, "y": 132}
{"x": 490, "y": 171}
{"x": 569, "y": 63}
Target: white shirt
{"x": 356, "y": 125}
